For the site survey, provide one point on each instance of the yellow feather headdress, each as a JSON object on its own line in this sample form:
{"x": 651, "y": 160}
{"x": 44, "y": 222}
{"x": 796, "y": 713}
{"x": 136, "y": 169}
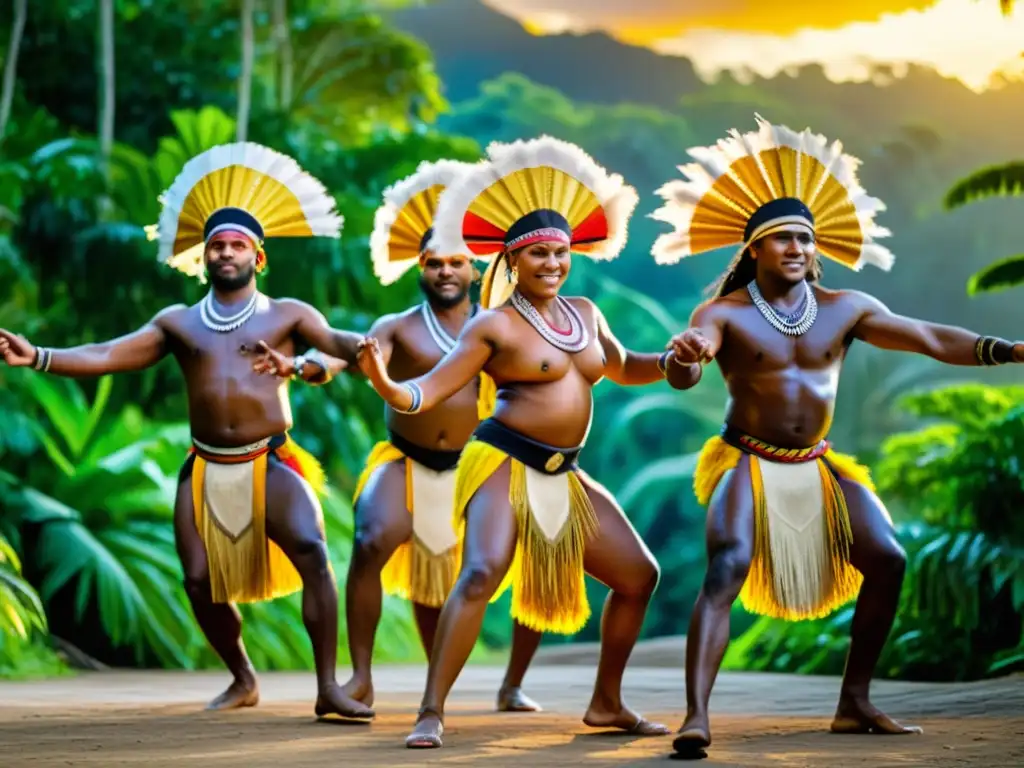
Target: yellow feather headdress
{"x": 749, "y": 185}
{"x": 403, "y": 225}
{"x": 543, "y": 189}
{"x": 241, "y": 186}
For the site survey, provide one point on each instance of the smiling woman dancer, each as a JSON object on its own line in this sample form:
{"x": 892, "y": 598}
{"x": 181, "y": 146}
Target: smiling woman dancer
{"x": 533, "y": 519}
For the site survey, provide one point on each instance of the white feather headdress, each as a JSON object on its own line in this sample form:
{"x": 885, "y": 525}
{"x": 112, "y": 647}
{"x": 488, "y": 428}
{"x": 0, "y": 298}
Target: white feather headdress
{"x": 284, "y": 200}
{"x": 477, "y": 212}
{"x": 407, "y": 216}
{"x": 730, "y": 182}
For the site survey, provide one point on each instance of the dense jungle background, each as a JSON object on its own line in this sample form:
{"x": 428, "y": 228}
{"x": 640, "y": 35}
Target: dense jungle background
{"x": 104, "y": 100}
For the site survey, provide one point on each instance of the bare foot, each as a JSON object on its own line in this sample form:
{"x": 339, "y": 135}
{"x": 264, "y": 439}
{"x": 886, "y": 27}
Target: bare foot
{"x": 334, "y": 701}
{"x": 693, "y": 736}
{"x": 861, "y": 716}
{"x": 513, "y": 699}
{"x": 427, "y": 733}
{"x": 241, "y": 693}
{"x": 359, "y": 691}
{"x": 624, "y": 718}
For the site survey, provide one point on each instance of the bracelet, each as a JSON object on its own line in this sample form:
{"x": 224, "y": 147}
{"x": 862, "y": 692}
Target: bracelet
{"x": 417, "y": 398}
{"x": 663, "y": 362}
{"x": 988, "y": 350}
{"x": 298, "y": 363}
{"x": 43, "y": 358}
{"x": 316, "y": 357}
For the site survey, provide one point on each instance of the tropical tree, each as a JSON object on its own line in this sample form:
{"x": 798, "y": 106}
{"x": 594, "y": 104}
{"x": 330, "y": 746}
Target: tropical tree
{"x": 1005, "y": 180}
{"x": 11, "y": 65}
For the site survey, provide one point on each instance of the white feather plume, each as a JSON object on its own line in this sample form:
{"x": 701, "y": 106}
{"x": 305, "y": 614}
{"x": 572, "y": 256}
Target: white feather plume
{"x": 317, "y": 205}
{"x": 503, "y": 159}
{"x": 428, "y": 174}
{"x": 682, "y": 197}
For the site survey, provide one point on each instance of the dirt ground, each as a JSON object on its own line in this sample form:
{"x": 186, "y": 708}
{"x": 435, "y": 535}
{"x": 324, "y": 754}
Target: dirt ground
{"x": 155, "y": 719}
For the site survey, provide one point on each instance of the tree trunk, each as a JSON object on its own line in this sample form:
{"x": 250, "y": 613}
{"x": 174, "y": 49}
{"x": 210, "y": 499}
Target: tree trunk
{"x": 245, "y": 78}
{"x": 283, "y": 44}
{"x": 105, "y": 69}
{"x": 11, "y": 67}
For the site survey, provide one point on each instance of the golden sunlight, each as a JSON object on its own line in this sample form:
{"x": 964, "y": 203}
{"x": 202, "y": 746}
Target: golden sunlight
{"x": 969, "y": 40}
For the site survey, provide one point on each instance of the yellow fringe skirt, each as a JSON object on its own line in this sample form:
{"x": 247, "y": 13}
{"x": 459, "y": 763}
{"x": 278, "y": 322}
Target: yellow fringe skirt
{"x": 414, "y": 571}
{"x": 547, "y": 580}
{"x": 798, "y": 571}
{"x": 245, "y": 565}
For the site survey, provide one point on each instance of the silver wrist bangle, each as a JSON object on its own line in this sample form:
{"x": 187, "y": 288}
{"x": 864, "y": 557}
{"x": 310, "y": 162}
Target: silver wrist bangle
{"x": 298, "y": 363}
{"x": 43, "y": 358}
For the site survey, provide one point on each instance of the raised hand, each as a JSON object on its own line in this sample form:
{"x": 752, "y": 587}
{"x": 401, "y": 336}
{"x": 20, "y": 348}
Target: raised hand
{"x": 371, "y": 361}
{"x": 273, "y": 363}
{"x": 15, "y": 350}
{"x": 690, "y": 346}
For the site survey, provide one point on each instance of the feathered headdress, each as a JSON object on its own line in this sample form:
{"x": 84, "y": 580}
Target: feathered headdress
{"x": 531, "y": 191}
{"x": 404, "y": 224}
{"x": 244, "y": 187}
{"x": 750, "y": 185}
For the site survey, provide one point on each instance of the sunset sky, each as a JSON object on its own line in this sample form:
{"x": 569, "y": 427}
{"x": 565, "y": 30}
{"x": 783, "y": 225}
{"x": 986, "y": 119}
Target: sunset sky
{"x": 966, "y": 39}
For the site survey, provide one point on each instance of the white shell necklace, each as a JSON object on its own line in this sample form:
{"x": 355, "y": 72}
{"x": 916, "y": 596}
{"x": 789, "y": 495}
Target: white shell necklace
{"x": 798, "y": 323}
{"x": 221, "y": 324}
{"x": 441, "y": 337}
{"x": 576, "y": 340}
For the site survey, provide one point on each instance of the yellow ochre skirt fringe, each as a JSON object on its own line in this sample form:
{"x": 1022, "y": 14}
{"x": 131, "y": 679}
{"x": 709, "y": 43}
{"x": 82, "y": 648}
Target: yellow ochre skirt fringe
{"x": 547, "y": 580}
{"x": 250, "y": 568}
{"x": 413, "y": 572}
{"x": 794, "y": 575}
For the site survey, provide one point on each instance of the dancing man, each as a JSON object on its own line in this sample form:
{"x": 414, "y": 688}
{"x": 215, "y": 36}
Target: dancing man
{"x": 531, "y": 518}
{"x": 247, "y": 522}
{"x": 794, "y": 529}
{"x": 405, "y": 540}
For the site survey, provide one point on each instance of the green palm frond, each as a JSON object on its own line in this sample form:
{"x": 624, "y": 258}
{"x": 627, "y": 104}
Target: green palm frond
{"x": 1003, "y": 274}
{"x": 995, "y": 181}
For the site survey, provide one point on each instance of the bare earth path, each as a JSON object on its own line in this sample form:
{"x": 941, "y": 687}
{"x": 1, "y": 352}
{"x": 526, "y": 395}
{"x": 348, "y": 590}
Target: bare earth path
{"x": 155, "y": 719}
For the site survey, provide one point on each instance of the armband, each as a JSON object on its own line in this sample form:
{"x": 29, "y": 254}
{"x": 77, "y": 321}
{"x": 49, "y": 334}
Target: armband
{"x": 417, "y": 398}
{"x": 989, "y": 350}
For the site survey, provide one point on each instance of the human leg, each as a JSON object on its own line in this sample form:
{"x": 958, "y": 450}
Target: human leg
{"x": 488, "y": 549}
{"x": 295, "y": 524}
{"x": 382, "y": 524}
{"x": 618, "y": 558}
{"x": 729, "y": 541}
{"x": 877, "y": 554}
{"x": 220, "y": 623}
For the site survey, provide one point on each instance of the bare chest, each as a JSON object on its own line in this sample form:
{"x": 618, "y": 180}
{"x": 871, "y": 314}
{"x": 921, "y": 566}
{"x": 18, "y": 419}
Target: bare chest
{"x": 751, "y": 343}
{"x": 233, "y": 352}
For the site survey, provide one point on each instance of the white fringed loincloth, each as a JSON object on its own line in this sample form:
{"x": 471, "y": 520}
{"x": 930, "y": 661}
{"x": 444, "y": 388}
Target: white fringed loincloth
{"x": 798, "y": 533}
{"x": 548, "y": 498}
{"x": 433, "y": 500}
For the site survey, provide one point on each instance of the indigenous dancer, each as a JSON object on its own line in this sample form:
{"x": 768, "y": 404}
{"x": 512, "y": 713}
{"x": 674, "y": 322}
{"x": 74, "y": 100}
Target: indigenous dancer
{"x": 795, "y": 530}
{"x": 530, "y": 517}
{"x": 405, "y": 541}
{"x": 247, "y": 522}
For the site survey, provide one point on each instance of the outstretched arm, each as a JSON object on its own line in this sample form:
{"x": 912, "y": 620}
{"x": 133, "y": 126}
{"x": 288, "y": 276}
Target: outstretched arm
{"x": 318, "y": 368}
{"x": 882, "y": 328}
{"x": 138, "y": 350}
{"x": 312, "y": 327}
{"x": 698, "y": 344}
{"x": 473, "y": 349}
{"x": 624, "y": 366}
